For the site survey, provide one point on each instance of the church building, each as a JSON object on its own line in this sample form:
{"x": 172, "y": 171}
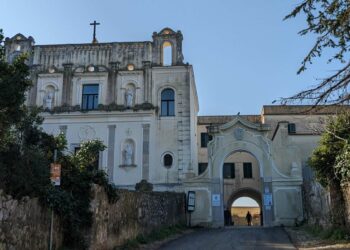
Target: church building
{"x": 140, "y": 100}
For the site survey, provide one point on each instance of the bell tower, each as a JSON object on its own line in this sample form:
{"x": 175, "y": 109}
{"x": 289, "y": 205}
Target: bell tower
{"x": 167, "y": 48}
{"x": 17, "y": 45}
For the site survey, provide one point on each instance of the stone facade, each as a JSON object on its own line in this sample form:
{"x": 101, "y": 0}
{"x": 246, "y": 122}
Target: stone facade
{"x": 276, "y": 144}
{"x": 144, "y": 110}
{"x": 117, "y": 92}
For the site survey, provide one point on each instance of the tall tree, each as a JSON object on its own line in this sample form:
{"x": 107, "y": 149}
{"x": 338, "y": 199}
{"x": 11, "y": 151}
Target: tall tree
{"x": 329, "y": 20}
{"x": 14, "y": 82}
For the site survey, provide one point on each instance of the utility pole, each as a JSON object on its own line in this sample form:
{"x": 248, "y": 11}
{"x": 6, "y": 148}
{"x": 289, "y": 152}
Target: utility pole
{"x": 56, "y": 184}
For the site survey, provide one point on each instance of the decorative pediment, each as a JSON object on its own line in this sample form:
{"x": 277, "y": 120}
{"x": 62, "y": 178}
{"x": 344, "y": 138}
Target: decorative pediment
{"x": 166, "y": 31}
{"x": 239, "y": 120}
{"x": 19, "y": 37}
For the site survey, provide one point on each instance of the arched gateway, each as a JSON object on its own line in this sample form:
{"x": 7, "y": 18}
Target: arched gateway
{"x": 279, "y": 187}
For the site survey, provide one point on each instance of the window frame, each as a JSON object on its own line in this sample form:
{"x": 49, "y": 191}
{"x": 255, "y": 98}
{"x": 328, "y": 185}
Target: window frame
{"x": 247, "y": 174}
{"x": 167, "y": 104}
{"x": 205, "y": 139}
{"x": 232, "y": 168}
{"x": 292, "y": 128}
{"x": 202, "y": 167}
{"x": 164, "y": 160}
{"x": 94, "y": 105}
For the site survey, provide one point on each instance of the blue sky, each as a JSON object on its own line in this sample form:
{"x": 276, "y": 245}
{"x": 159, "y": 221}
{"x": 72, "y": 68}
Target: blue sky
{"x": 244, "y": 55}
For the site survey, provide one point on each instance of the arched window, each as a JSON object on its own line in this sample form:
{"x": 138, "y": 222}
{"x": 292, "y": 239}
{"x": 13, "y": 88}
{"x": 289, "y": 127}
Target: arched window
{"x": 167, "y": 160}
{"x": 167, "y": 54}
{"x": 168, "y": 102}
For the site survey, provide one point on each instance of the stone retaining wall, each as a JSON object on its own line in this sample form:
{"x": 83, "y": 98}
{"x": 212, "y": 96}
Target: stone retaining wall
{"x": 133, "y": 214}
{"x": 24, "y": 224}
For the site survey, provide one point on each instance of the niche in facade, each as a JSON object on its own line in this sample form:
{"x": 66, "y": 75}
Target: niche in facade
{"x": 129, "y": 95}
{"x": 128, "y": 153}
{"x": 49, "y": 97}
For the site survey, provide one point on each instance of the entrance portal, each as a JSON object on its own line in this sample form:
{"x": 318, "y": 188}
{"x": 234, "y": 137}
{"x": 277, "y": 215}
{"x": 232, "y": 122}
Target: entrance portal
{"x": 240, "y": 208}
{"x": 241, "y": 179}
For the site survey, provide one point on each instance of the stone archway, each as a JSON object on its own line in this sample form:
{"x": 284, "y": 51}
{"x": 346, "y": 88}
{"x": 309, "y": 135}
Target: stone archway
{"x": 238, "y": 135}
{"x": 279, "y": 190}
{"x": 250, "y": 193}
{"x": 245, "y": 192}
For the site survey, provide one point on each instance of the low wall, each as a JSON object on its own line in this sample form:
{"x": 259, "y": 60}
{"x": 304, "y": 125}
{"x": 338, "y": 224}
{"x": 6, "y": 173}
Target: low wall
{"x": 24, "y": 224}
{"x": 133, "y": 214}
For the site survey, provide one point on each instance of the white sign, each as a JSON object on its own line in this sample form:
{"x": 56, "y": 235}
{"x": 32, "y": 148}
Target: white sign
{"x": 268, "y": 199}
{"x": 191, "y": 201}
{"x": 215, "y": 200}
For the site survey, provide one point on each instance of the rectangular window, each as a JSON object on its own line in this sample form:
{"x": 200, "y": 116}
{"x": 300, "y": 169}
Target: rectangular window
{"x": 202, "y": 167}
{"x": 205, "y": 138}
{"x": 76, "y": 149}
{"x": 291, "y": 128}
{"x": 90, "y": 97}
{"x": 247, "y": 170}
{"x": 229, "y": 170}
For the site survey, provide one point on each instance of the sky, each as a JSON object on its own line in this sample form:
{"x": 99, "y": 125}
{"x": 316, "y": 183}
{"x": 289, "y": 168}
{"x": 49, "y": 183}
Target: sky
{"x": 243, "y": 54}
{"x": 245, "y": 202}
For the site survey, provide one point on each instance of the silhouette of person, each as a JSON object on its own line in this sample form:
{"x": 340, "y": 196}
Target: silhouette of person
{"x": 248, "y": 217}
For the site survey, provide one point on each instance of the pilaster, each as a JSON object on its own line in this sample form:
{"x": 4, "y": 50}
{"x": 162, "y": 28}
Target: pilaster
{"x": 32, "y": 93}
{"x": 67, "y": 83}
{"x": 147, "y": 81}
{"x": 110, "y": 157}
{"x": 112, "y": 76}
{"x": 145, "y": 151}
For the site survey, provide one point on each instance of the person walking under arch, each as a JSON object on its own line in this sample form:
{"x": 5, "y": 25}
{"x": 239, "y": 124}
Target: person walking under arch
{"x": 248, "y": 217}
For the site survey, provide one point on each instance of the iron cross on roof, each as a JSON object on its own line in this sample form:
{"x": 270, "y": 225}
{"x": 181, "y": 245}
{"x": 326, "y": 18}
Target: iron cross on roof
{"x": 94, "y": 40}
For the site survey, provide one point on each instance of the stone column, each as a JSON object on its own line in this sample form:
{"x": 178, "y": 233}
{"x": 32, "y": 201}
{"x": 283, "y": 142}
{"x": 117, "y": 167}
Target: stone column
{"x": 110, "y": 152}
{"x": 112, "y": 76}
{"x": 145, "y": 151}
{"x": 67, "y": 84}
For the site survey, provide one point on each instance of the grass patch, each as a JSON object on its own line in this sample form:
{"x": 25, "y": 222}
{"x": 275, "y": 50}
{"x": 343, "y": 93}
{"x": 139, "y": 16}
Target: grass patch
{"x": 333, "y": 234}
{"x": 155, "y": 235}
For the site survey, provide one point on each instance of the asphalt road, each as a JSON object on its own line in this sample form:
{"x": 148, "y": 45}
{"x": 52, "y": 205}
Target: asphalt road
{"x": 240, "y": 238}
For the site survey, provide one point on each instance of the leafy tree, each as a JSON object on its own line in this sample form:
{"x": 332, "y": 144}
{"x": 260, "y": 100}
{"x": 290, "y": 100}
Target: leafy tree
{"x": 26, "y": 152}
{"x": 14, "y": 82}
{"x": 333, "y": 142}
{"x": 88, "y": 153}
{"x": 329, "y": 20}
{"x": 72, "y": 200}
{"x": 330, "y": 161}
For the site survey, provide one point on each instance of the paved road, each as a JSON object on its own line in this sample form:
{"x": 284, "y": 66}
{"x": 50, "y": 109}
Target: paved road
{"x": 240, "y": 238}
